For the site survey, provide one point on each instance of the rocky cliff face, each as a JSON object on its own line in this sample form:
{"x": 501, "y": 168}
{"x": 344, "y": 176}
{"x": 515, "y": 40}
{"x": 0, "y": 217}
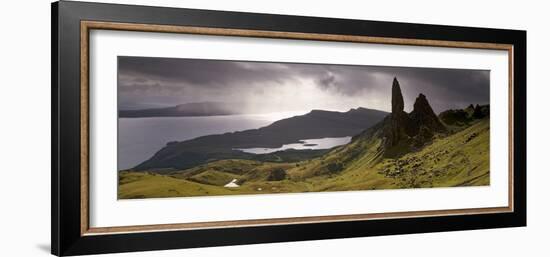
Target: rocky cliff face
{"x": 410, "y": 129}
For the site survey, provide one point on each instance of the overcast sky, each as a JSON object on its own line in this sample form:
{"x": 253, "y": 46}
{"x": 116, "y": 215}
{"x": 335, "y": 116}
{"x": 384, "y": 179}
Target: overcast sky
{"x": 145, "y": 82}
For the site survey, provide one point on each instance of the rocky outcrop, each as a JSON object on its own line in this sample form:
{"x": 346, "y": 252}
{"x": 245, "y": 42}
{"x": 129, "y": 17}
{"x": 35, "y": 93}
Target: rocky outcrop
{"x": 463, "y": 117}
{"x": 423, "y": 115}
{"x": 480, "y": 112}
{"x": 409, "y": 129}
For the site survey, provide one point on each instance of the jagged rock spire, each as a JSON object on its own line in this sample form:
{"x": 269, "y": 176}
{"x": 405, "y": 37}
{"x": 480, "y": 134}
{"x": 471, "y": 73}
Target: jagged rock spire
{"x": 423, "y": 115}
{"x": 397, "y": 104}
{"x": 413, "y": 129}
{"x": 398, "y": 120}
{"x": 421, "y": 105}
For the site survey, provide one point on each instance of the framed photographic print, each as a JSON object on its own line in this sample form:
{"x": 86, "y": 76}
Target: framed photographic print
{"x": 178, "y": 128}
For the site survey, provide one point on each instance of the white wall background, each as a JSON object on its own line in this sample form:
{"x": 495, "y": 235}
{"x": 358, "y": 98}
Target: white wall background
{"x": 25, "y": 127}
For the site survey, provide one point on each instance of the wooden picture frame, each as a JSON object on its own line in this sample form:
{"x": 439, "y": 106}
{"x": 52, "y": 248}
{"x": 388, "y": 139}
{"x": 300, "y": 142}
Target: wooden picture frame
{"x": 71, "y": 26}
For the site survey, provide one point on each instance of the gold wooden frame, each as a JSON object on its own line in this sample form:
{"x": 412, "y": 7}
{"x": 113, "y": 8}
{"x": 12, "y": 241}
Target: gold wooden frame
{"x": 86, "y": 26}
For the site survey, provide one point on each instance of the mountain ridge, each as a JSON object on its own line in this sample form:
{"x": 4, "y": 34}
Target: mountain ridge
{"x": 315, "y": 124}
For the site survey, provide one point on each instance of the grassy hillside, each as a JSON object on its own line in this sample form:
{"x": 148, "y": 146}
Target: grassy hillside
{"x": 459, "y": 159}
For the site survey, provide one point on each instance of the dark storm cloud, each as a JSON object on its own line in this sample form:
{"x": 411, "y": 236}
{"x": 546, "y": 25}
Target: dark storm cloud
{"x": 445, "y": 88}
{"x": 145, "y": 81}
{"x": 209, "y": 73}
{"x": 327, "y": 81}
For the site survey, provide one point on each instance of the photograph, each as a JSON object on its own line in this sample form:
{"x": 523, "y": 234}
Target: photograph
{"x": 176, "y": 126}
{"x": 201, "y": 127}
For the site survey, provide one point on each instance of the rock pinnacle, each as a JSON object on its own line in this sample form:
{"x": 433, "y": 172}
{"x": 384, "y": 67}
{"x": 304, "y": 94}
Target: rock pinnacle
{"x": 397, "y": 104}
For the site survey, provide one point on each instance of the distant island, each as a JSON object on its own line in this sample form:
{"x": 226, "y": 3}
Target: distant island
{"x": 185, "y": 110}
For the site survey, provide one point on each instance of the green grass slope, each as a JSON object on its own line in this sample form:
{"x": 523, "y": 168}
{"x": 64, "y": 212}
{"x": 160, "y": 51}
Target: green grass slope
{"x": 459, "y": 159}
